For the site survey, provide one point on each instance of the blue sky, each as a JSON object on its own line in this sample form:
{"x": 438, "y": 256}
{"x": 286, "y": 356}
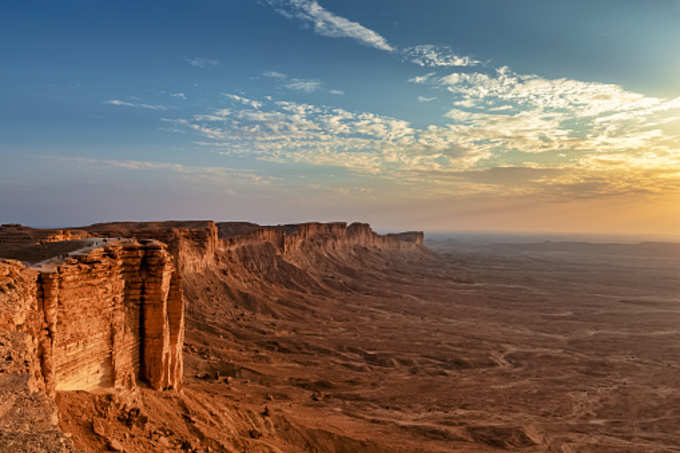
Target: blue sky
{"x": 492, "y": 115}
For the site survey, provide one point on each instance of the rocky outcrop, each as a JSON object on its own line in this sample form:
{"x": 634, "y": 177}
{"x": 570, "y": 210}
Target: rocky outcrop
{"x": 102, "y": 317}
{"x": 28, "y": 417}
{"x": 16, "y": 235}
{"x": 102, "y": 307}
{"x": 112, "y": 313}
{"x": 413, "y": 237}
{"x": 335, "y": 235}
{"x": 192, "y": 243}
{"x": 21, "y": 323}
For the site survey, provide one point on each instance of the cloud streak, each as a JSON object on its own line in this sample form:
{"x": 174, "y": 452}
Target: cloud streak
{"x": 121, "y": 103}
{"x": 327, "y": 24}
{"x": 199, "y": 62}
{"x": 298, "y": 83}
{"x": 197, "y": 174}
{"x": 429, "y": 55}
{"x": 274, "y": 75}
{"x": 305, "y": 85}
{"x": 423, "y": 78}
{"x": 243, "y": 100}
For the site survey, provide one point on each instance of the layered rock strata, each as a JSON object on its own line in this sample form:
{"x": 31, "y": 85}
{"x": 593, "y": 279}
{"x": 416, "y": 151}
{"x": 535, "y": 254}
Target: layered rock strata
{"x": 28, "y": 417}
{"x": 104, "y": 317}
{"x": 102, "y": 307}
{"x": 15, "y": 235}
{"x": 112, "y": 313}
{"x": 291, "y": 238}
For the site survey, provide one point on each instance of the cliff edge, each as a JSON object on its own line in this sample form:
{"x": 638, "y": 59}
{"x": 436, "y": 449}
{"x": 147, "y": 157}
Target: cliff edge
{"x": 102, "y": 307}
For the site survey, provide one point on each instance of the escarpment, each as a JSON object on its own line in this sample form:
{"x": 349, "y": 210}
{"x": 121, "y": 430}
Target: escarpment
{"x": 108, "y": 309}
{"x": 102, "y": 307}
{"x": 318, "y": 236}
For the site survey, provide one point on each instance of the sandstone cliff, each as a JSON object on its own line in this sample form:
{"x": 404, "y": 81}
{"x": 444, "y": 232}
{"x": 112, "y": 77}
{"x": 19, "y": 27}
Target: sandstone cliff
{"x": 111, "y": 311}
{"x": 103, "y": 316}
{"x": 102, "y": 307}
{"x": 28, "y": 418}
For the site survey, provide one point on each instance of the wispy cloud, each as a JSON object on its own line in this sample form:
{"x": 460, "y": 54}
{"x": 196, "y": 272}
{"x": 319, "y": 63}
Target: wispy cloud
{"x": 597, "y": 138}
{"x": 197, "y": 174}
{"x": 119, "y": 102}
{"x": 328, "y": 24}
{"x": 305, "y": 85}
{"x": 557, "y": 97}
{"x": 299, "y": 83}
{"x": 423, "y": 78}
{"x": 200, "y": 62}
{"x": 431, "y": 55}
{"x": 244, "y": 100}
{"x": 274, "y": 74}
{"x": 504, "y": 132}
{"x": 179, "y": 95}
{"x": 135, "y": 105}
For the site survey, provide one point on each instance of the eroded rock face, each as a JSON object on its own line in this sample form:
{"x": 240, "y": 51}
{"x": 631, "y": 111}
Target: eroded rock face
{"x": 103, "y": 307}
{"x": 112, "y": 313}
{"x": 28, "y": 419}
{"x": 191, "y": 243}
{"x": 294, "y": 238}
{"x": 102, "y": 318}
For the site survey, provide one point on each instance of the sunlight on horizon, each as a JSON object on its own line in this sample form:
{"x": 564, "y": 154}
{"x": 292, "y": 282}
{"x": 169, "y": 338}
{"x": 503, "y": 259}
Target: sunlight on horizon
{"x": 323, "y": 110}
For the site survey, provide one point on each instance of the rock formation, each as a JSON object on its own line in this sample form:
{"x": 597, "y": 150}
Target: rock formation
{"x": 111, "y": 312}
{"x": 102, "y": 317}
{"x": 102, "y": 307}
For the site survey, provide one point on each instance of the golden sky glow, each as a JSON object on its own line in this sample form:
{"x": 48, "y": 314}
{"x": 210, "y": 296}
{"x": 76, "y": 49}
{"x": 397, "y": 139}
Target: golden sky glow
{"x": 290, "y": 110}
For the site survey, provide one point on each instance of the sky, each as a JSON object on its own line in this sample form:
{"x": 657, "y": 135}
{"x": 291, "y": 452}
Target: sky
{"x": 491, "y": 115}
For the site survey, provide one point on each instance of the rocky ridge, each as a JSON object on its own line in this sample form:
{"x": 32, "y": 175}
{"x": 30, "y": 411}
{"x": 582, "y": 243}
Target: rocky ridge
{"x": 105, "y": 310}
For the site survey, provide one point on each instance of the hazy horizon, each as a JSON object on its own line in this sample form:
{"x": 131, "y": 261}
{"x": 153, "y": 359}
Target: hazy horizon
{"x": 488, "y": 235}
{"x": 464, "y": 116}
